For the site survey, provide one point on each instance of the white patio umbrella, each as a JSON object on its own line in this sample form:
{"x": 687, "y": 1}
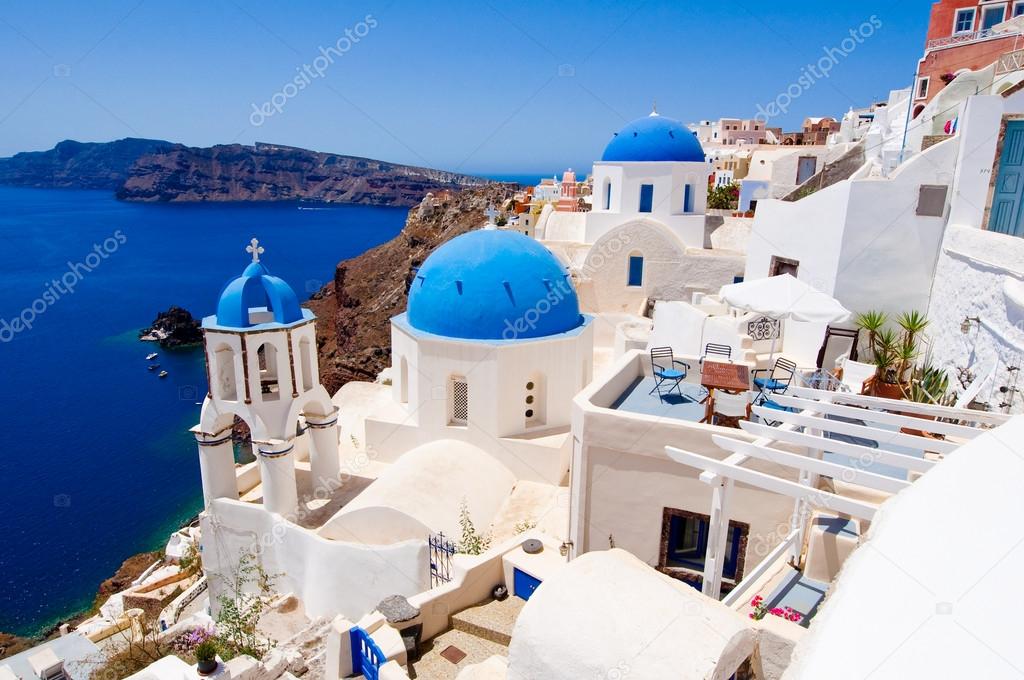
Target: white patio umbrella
{"x": 784, "y": 297}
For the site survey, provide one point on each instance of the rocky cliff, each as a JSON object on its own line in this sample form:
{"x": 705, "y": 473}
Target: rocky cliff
{"x": 79, "y": 165}
{"x": 267, "y": 172}
{"x": 354, "y": 334}
{"x": 153, "y": 170}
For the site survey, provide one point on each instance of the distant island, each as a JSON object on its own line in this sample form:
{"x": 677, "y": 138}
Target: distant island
{"x": 153, "y": 170}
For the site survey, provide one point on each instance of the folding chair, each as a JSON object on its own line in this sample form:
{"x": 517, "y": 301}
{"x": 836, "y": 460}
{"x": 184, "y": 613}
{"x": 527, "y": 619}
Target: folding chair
{"x": 717, "y": 350}
{"x": 663, "y": 367}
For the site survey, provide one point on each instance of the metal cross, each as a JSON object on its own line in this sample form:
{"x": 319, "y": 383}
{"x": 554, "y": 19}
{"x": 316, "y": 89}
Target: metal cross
{"x": 491, "y": 213}
{"x": 255, "y": 248}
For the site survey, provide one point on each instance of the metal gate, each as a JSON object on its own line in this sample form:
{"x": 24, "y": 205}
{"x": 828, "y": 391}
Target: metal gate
{"x": 441, "y": 551}
{"x": 366, "y": 655}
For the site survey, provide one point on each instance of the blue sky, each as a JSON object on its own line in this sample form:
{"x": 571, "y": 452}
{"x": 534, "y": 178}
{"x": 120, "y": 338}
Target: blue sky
{"x": 483, "y": 87}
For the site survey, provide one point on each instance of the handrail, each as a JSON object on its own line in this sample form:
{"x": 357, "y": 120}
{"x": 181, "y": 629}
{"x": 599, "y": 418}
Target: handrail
{"x": 737, "y": 593}
{"x": 188, "y": 597}
{"x": 961, "y": 38}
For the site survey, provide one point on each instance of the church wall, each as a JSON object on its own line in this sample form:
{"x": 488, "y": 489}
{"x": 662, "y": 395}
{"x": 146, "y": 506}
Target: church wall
{"x": 330, "y": 577}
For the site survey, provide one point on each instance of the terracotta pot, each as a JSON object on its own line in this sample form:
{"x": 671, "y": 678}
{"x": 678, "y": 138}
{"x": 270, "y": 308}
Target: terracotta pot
{"x": 886, "y": 390}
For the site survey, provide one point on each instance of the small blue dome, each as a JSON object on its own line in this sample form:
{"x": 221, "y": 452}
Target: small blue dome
{"x": 256, "y": 288}
{"x": 654, "y": 138}
{"x": 493, "y": 285}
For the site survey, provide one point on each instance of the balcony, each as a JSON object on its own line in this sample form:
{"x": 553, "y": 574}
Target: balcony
{"x": 962, "y": 39}
{"x": 1010, "y": 62}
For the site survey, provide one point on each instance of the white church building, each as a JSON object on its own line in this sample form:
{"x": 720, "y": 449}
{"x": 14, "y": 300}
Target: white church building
{"x": 646, "y": 237}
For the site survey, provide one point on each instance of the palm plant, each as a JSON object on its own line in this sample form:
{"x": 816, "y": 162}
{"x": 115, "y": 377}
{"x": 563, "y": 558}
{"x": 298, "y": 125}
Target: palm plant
{"x": 893, "y": 352}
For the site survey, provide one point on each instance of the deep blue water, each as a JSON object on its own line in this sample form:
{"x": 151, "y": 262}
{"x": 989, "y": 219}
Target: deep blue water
{"x": 97, "y": 463}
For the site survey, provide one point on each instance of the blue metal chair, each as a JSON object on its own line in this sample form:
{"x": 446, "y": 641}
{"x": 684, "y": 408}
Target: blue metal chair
{"x": 777, "y": 381}
{"x": 663, "y": 367}
{"x": 717, "y": 350}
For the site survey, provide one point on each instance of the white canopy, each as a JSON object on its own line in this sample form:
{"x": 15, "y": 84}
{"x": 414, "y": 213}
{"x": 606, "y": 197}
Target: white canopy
{"x": 784, "y": 297}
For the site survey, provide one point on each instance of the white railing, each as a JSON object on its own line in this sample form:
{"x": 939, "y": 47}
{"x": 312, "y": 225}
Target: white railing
{"x": 1008, "y": 63}
{"x": 743, "y": 587}
{"x": 960, "y": 39}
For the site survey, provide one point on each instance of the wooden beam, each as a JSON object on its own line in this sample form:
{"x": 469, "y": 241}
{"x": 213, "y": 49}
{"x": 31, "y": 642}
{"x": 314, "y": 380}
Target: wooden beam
{"x": 902, "y": 406}
{"x": 863, "y": 431}
{"x": 883, "y": 417}
{"x": 718, "y": 538}
{"x": 742, "y": 588}
{"x": 795, "y": 460}
{"x": 900, "y": 460}
{"x": 767, "y": 482}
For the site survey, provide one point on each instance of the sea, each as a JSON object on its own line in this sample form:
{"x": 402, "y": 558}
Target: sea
{"x": 97, "y": 461}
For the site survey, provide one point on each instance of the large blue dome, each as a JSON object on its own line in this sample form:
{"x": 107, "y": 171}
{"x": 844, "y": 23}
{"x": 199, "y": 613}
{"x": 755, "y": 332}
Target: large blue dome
{"x": 493, "y": 285}
{"x": 654, "y": 138}
{"x": 257, "y": 290}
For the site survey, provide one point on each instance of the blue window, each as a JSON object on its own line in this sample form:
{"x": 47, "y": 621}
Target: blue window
{"x": 636, "y": 270}
{"x": 964, "y": 20}
{"x": 990, "y": 16}
{"x": 646, "y": 197}
{"x": 686, "y": 543}
{"x": 608, "y": 196}
{"x": 1018, "y": 9}
{"x": 688, "y": 198}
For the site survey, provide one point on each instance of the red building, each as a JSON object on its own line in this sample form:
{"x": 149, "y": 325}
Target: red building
{"x": 567, "y": 201}
{"x": 965, "y": 35}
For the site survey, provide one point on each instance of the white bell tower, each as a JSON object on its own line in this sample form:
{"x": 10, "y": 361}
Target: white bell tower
{"x": 262, "y": 367}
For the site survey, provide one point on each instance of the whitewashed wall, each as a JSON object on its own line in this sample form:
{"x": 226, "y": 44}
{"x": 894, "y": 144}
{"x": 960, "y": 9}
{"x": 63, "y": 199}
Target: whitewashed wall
{"x": 330, "y": 577}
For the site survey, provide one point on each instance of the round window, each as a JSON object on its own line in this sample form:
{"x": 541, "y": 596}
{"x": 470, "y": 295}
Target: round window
{"x": 529, "y": 399}
{"x": 529, "y": 413}
{"x": 529, "y": 385}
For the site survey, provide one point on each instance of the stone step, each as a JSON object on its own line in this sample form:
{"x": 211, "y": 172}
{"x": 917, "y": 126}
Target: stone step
{"x": 490, "y": 620}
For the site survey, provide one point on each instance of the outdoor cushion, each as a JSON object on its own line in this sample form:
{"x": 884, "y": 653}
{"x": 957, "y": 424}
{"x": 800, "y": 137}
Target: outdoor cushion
{"x": 670, "y": 374}
{"x": 769, "y": 384}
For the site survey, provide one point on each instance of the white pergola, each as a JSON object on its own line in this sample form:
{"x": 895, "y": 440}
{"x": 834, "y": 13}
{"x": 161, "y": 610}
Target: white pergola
{"x": 815, "y": 413}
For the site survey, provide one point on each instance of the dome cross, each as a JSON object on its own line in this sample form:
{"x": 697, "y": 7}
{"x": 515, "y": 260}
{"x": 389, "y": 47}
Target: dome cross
{"x": 255, "y": 249}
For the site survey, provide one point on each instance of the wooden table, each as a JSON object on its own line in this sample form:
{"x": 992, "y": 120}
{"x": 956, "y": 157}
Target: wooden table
{"x": 719, "y": 375}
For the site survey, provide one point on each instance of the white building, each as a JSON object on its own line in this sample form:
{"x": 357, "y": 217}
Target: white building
{"x": 646, "y": 237}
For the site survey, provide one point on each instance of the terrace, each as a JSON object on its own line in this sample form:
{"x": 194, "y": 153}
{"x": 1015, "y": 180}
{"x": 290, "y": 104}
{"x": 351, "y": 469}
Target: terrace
{"x": 854, "y": 451}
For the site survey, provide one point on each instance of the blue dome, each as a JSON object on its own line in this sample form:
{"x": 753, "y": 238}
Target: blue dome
{"x": 654, "y": 138}
{"x": 256, "y": 288}
{"x": 493, "y": 285}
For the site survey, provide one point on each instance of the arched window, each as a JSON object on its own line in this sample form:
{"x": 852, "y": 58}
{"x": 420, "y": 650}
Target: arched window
{"x": 458, "y": 400}
{"x": 535, "y": 401}
{"x": 607, "y": 195}
{"x": 225, "y": 386}
{"x": 306, "y": 363}
{"x": 635, "y": 276}
{"x": 646, "y": 198}
{"x": 266, "y": 355}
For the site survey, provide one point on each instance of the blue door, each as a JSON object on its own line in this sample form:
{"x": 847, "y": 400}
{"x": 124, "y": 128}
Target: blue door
{"x": 1007, "y": 210}
{"x": 523, "y": 584}
{"x": 646, "y": 197}
{"x": 636, "y": 270}
{"x": 367, "y": 657}
{"x": 688, "y": 198}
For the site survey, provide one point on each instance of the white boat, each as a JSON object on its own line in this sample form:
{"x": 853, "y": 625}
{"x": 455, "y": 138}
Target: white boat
{"x": 162, "y": 374}
{"x": 150, "y": 357}
{"x": 153, "y": 367}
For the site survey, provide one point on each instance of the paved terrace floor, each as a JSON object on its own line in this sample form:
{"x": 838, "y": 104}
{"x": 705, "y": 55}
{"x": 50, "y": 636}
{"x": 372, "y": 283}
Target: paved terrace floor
{"x": 637, "y": 399}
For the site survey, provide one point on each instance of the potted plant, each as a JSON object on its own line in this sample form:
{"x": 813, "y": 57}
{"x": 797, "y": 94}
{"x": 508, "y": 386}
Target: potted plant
{"x": 928, "y": 385}
{"x": 206, "y": 657}
{"x": 893, "y": 352}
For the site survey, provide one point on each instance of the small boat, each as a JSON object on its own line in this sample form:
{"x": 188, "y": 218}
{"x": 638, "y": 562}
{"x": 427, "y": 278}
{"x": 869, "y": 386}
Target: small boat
{"x": 153, "y": 367}
{"x": 162, "y": 374}
{"x": 150, "y": 357}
